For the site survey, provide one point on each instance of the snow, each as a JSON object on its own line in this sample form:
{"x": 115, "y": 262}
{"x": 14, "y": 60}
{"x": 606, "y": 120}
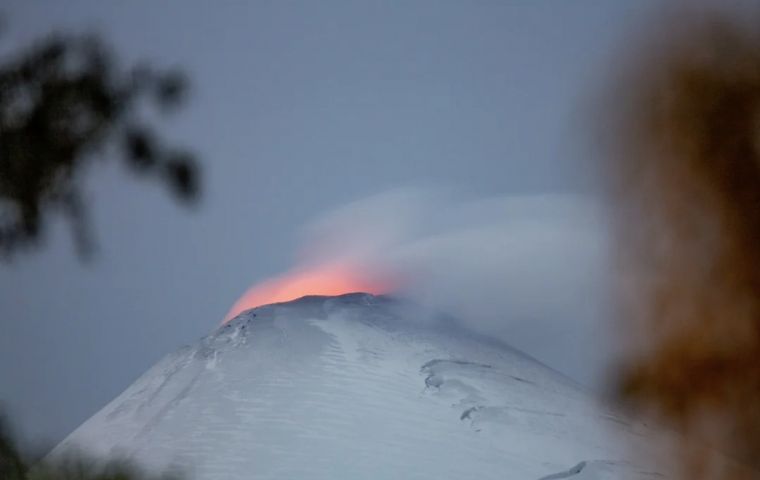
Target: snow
{"x": 360, "y": 386}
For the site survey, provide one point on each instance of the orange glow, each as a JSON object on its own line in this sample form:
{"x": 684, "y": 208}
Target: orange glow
{"x": 329, "y": 279}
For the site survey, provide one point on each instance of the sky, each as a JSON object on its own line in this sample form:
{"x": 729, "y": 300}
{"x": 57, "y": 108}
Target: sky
{"x": 297, "y": 109}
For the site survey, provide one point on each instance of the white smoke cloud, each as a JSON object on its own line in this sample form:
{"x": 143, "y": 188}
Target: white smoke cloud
{"x": 530, "y": 270}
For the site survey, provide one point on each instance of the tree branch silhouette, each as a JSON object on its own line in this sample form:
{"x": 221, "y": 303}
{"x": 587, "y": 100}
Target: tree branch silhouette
{"x": 65, "y": 102}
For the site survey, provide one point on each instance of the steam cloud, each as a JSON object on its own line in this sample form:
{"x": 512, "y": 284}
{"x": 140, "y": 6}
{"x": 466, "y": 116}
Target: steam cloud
{"x": 528, "y": 270}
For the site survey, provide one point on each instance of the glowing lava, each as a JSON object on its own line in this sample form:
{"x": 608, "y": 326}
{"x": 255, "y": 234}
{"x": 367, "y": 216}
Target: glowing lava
{"x": 329, "y": 279}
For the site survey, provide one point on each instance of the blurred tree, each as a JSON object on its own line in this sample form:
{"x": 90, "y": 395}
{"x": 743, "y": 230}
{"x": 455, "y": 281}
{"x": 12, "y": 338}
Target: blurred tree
{"x": 11, "y": 465}
{"x": 14, "y": 467}
{"x": 63, "y": 103}
{"x": 685, "y": 140}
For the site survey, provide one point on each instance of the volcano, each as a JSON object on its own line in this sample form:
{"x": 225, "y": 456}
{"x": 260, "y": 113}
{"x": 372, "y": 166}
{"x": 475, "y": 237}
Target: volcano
{"x": 359, "y": 386}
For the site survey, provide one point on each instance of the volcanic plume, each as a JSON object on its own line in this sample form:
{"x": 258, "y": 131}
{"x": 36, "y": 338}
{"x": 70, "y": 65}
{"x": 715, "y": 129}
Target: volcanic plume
{"x": 525, "y": 269}
{"x": 333, "y": 278}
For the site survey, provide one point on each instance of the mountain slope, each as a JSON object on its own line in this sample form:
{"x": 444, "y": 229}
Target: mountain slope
{"x": 358, "y": 386}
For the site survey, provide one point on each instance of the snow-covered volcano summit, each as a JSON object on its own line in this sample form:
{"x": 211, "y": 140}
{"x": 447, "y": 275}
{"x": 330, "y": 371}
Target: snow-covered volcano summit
{"x": 358, "y": 387}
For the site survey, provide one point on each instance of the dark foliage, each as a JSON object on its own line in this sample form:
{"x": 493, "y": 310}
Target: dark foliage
{"x": 73, "y": 467}
{"x": 64, "y": 103}
{"x": 11, "y": 465}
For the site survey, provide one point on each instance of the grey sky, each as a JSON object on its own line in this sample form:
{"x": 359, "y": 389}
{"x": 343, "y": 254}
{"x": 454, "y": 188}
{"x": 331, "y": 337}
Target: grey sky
{"x": 297, "y": 107}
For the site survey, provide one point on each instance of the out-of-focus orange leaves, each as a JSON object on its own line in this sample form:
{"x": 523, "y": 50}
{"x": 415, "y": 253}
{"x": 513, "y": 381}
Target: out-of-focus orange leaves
{"x": 684, "y": 133}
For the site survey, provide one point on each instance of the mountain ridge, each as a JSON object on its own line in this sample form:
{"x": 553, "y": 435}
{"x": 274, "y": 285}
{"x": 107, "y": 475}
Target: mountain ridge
{"x": 357, "y": 386}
